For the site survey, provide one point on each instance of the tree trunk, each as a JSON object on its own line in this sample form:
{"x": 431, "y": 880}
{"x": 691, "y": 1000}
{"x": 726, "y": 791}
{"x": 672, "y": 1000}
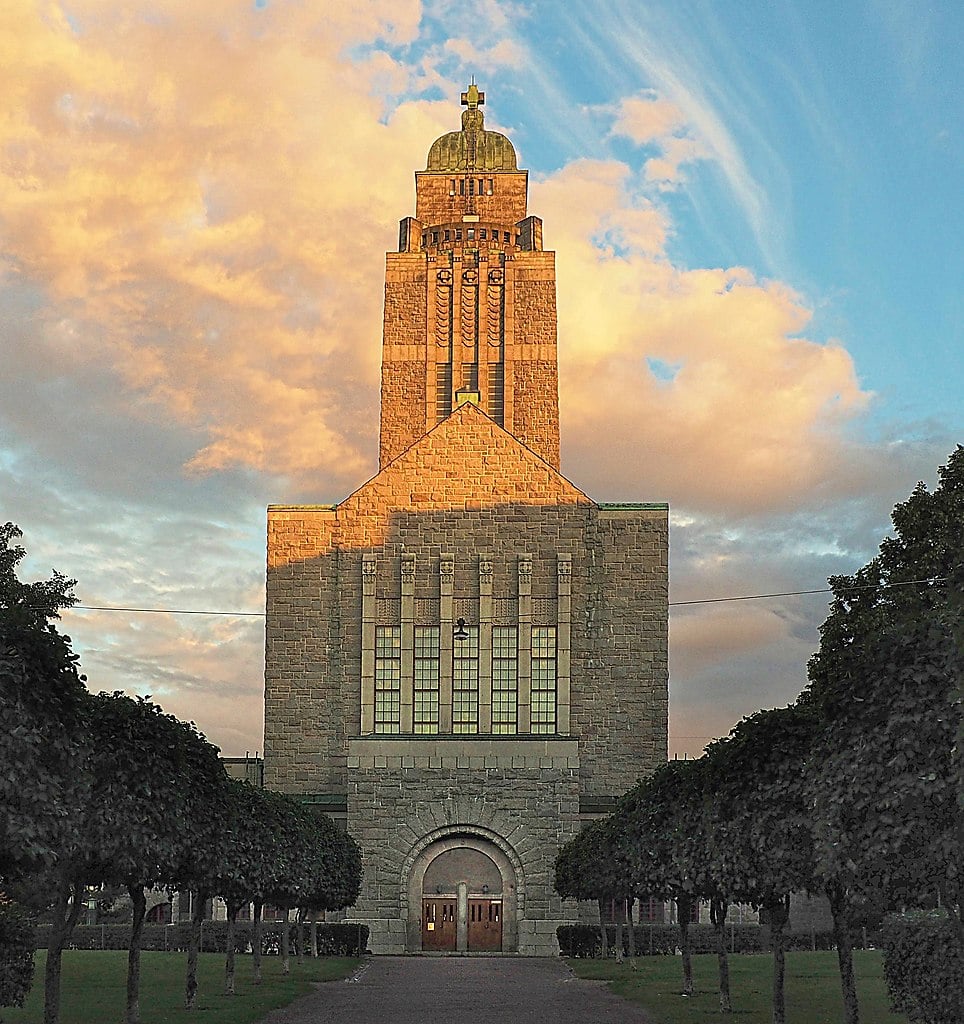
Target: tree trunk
{"x": 286, "y": 944}
{"x": 618, "y": 919}
{"x": 778, "y": 911}
{"x": 256, "y": 941}
{"x": 300, "y": 932}
{"x": 193, "y": 948}
{"x": 313, "y": 933}
{"x": 139, "y": 905}
{"x": 234, "y": 906}
{"x": 65, "y": 917}
{"x": 841, "y": 935}
{"x": 631, "y": 933}
{"x": 684, "y": 904}
{"x": 718, "y": 909}
{"x": 604, "y": 938}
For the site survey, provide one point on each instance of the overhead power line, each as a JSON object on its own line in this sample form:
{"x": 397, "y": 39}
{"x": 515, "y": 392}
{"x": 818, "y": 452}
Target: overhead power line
{"x": 798, "y": 593}
{"x": 672, "y": 604}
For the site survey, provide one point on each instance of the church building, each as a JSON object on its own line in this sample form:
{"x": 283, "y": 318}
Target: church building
{"x": 466, "y": 658}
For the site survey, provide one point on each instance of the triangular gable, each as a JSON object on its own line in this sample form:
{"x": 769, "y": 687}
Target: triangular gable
{"x": 466, "y": 461}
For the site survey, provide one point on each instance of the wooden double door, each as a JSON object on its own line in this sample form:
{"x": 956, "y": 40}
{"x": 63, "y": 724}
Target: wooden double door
{"x": 440, "y": 924}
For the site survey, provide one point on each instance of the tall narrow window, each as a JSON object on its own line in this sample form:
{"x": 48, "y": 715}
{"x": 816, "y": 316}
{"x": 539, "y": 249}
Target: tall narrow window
{"x": 505, "y": 679}
{"x": 470, "y": 376}
{"x": 465, "y": 682}
{"x": 443, "y": 390}
{"x": 426, "y": 679}
{"x": 388, "y": 678}
{"x": 496, "y": 394}
{"x": 543, "y": 680}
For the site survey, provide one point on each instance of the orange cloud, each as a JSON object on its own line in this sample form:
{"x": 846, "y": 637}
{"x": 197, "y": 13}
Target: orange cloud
{"x": 692, "y": 385}
{"x": 200, "y": 207}
{"x": 649, "y": 120}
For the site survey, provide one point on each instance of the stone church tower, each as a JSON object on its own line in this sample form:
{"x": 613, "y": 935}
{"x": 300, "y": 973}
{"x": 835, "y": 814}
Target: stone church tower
{"x": 466, "y": 658}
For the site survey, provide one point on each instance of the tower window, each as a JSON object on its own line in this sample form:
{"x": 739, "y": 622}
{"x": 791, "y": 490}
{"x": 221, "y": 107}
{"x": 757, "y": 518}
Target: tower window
{"x": 543, "y": 680}
{"x": 462, "y": 186}
{"x": 496, "y": 395}
{"x": 483, "y": 235}
{"x": 505, "y": 679}
{"x": 471, "y": 186}
{"x": 507, "y": 238}
{"x": 458, "y": 234}
{"x": 425, "y": 719}
{"x": 435, "y": 237}
{"x": 443, "y": 390}
{"x": 465, "y": 683}
{"x": 491, "y": 186}
{"x": 452, "y": 187}
{"x": 388, "y": 678}
{"x": 470, "y": 376}
{"x": 471, "y": 232}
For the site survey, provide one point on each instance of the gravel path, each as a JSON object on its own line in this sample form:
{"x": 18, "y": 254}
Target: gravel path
{"x": 456, "y": 990}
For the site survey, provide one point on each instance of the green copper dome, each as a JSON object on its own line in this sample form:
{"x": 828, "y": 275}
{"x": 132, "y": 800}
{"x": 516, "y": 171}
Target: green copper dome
{"x": 473, "y": 148}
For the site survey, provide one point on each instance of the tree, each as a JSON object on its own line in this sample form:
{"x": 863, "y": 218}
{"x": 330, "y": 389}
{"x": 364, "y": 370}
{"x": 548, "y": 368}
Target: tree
{"x": 656, "y": 819}
{"x": 43, "y": 711}
{"x": 886, "y": 680}
{"x": 335, "y": 875}
{"x": 757, "y": 820}
{"x": 44, "y": 714}
{"x": 246, "y": 861}
{"x": 594, "y": 865}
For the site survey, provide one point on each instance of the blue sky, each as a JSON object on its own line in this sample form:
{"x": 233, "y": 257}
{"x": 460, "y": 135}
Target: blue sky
{"x": 757, "y": 213}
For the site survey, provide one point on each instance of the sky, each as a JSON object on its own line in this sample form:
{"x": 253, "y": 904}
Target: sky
{"x": 757, "y": 213}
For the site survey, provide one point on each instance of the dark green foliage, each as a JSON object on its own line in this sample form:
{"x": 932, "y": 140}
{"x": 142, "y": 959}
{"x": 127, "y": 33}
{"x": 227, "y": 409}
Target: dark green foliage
{"x": 43, "y": 715}
{"x": 887, "y": 682}
{"x": 158, "y": 806}
{"x": 595, "y": 864}
{"x": 924, "y": 968}
{"x": 758, "y": 844}
{"x": 16, "y": 954}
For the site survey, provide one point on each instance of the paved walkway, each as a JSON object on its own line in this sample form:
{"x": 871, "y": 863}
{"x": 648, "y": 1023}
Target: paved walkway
{"x": 458, "y": 990}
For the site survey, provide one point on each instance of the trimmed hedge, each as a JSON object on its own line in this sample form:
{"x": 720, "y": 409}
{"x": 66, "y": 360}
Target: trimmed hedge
{"x": 333, "y": 939}
{"x": 16, "y": 955}
{"x": 583, "y": 940}
{"x": 924, "y": 967}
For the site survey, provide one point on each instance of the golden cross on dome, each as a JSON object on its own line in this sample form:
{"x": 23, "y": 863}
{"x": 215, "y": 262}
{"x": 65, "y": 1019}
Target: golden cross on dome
{"x": 473, "y": 98}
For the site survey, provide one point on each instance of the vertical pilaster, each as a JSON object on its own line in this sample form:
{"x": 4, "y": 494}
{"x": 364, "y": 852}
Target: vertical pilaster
{"x": 510, "y": 349}
{"x": 525, "y": 641}
{"x": 563, "y": 640}
{"x": 446, "y": 580}
{"x": 408, "y": 641}
{"x": 368, "y": 568}
{"x": 485, "y": 644}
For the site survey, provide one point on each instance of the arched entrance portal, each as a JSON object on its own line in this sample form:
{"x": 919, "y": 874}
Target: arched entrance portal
{"x": 463, "y": 896}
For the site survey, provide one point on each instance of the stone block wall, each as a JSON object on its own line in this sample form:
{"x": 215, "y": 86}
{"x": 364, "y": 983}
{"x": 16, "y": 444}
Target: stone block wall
{"x": 435, "y": 204}
{"x": 526, "y": 805}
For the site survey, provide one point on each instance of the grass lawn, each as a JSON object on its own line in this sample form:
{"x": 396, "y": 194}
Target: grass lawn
{"x": 812, "y": 988}
{"x": 95, "y": 982}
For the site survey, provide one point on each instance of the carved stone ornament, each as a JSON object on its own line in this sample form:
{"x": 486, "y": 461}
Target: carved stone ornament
{"x": 564, "y": 567}
{"x": 485, "y": 567}
{"x": 368, "y": 567}
{"x": 470, "y": 276}
{"x": 525, "y": 569}
{"x": 446, "y": 567}
{"x": 444, "y": 277}
{"x": 408, "y": 566}
{"x": 496, "y": 277}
